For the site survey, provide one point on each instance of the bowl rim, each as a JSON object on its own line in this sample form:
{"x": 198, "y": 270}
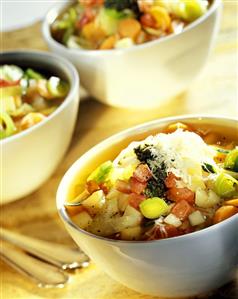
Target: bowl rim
{"x": 74, "y": 86}
{"x": 53, "y": 13}
{"x": 73, "y": 169}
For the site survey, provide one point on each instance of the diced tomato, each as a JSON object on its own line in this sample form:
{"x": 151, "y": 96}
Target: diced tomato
{"x": 104, "y": 188}
{"x": 5, "y": 83}
{"x": 123, "y": 186}
{"x": 177, "y": 194}
{"x": 92, "y": 186}
{"x": 163, "y": 232}
{"x": 148, "y": 20}
{"x": 182, "y": 209}
{"x": 142, "y": 173}
{"x": 134, "y": 200}
{"x": 170, "y": 181}
{"x": 136, "y": 186}
{"x": 170, "y": 231}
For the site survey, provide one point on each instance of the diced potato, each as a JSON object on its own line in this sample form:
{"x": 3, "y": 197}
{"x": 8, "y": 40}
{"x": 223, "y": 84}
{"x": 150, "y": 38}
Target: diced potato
{"x": 173, "y": 220}
{"x": 196, "y": 218}
{"x": 94, "y": 202}
{"x": 113, "y": 193}
{"x": 83, "y": 220}
{"x": 111, "y": 207}
{"x": 131, "y": 233}
{"x": 124, "y": 43}
{"x": 205, "y": 199}
{"x": 131, "y": 217}
{"x": 123, "y": 201}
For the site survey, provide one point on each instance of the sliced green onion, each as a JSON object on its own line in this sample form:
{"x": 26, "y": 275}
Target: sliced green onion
{"x": 154, "y": 207}
{"x": 57, "y": 87}
{"x": 31, "y": 74}
{"x": 7, "y": 125}
{"x": 231, "y": 161}
{"x": 225, "y": 185}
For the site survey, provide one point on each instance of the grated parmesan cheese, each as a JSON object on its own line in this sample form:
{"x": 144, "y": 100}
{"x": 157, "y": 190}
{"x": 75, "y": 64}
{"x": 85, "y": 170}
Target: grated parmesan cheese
{"x": 182, "y": 152}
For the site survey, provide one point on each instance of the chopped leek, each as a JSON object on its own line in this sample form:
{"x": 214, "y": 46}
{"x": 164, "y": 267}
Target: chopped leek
{"x": 154, "y": 207}
{"x": 57, "y": 87}
{"x": 225, "y": 185}
{"x": 7, "y": 127}
{"x": 101, "y": 173}
{"x": 31, "y": 74}
{"x": 10, "y": 72}
{"x": 231, "y": 161}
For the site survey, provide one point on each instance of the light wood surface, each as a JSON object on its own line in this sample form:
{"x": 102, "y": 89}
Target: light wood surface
{"x": 214, "y": 92}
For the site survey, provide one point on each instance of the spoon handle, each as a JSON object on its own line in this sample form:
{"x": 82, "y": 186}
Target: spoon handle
{"x": 45, "y": 275}
{"x": 56, "y": 254}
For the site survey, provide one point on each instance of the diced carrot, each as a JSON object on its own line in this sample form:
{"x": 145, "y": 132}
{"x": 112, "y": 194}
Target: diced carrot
{"x": 92, "y": 186}
{"x": 136, "y": 186}
{"x": 134, "y": 200}
{"x": 129, "y": 28}
{"x": 108, "y": 43}
{"x": 92, "y": 32}
{"x": 231, "y": 202}
{"x": 224, "y": 212}
{"x": 74, "y": 210}
{"x": 170, "y": 181}
{"x": 123, "y": 186}
{"x": 148, "y": 20}
{"x": 177, "y": 194}
{"x": 182, "y": 209}
{"x": 142, "y": 173}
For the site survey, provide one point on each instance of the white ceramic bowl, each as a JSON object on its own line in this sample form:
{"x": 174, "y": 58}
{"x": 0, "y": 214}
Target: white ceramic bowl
{"x": 182, "y": 266}
{"x": 30, "y": 157}
{"x": 146, "y": 75}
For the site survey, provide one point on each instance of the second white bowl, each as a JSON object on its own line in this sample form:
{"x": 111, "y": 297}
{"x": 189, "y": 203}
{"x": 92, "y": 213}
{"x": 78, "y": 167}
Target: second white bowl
{"x": 144, "y": 75}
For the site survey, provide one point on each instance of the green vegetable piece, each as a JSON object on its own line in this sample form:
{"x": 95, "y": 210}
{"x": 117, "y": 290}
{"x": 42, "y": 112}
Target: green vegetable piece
{"x": 101, "y": 173}
{"x": 7, "y": 127}
{"x": 108, "y": 19}
{"x": 31, "y": 74}
{"x": 231, "y": 161}
{"x": 194, "y": 9}
{"x": 57, "y": 87}
{"x": 11, "y": 72}
{"x": 225, "y": 185}
{"x": 153, "y": 207}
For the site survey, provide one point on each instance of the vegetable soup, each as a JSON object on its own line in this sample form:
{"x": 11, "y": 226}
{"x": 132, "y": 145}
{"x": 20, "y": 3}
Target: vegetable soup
{"x": 115, "y": 24}
{"x": 27, "y": 97}
{"x": 160, "y": 185}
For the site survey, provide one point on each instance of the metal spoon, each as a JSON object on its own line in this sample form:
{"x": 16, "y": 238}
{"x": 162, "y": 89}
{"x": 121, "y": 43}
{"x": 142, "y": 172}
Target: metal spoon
{"x": 56, "y": 254}
{"x": 45, "y": 275}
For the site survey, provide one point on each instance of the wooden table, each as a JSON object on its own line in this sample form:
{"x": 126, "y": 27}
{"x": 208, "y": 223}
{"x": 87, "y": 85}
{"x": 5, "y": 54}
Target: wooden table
{"x": 214, "y": 92}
